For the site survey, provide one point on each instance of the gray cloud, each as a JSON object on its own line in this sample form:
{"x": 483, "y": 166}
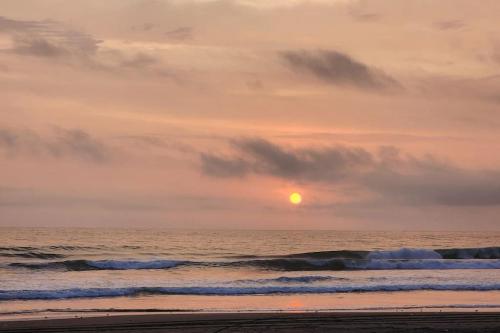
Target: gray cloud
{"x": 9, "y": 25}
{"x": 36, "y": 46}
{"x": 307, "y": 164}
{"x": 166, "y": 142}
{"x": 448, "y": 186}
{"x": 148, "y": 26}
{"x": 79, "y": 143}
{"x": 387, "y": 174}
{"x": 29, "y": 197}
{"x": 363, "y": 16}
{"x": 224, "y": 167}
{"x": 47, "y": 39}
{"x": 449, "y": 25}
{"x": 495, "y": 54}
{"x": 265, "y": 158}
{"x": 63, "y": 143}
{"x": 337, "y": 68}
{"x": 180, "y": 34}
{"x": 140, "y": 60}
{"x": 34, "y": 197}
{"x": 53, "y": 40}
{"x": 482, "y": 88}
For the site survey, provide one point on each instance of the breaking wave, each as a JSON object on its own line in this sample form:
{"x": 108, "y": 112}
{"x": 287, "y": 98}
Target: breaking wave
{"x": 32, "y": 254}
{"x": 230, "y": 290}
{"x": 293, "y": 279}
{"x": 377, "y": 264}
{"x": 471, "y": 253}
{"x": 47, "y": 252}
{"x": 405, "y": 253}
{"x": 409, "y": 259}
{"x": 269, "y": 264}
{"x": 86, "y": 265}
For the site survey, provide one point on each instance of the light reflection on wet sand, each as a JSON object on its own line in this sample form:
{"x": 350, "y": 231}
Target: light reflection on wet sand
{"x": 381, "y": 301}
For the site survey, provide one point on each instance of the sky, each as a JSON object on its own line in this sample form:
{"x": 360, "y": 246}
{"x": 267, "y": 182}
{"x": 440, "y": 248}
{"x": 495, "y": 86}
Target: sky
{"x": 383, "y": 114}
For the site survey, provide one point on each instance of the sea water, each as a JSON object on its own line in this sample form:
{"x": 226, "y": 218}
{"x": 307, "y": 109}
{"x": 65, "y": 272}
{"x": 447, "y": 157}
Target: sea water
{"x": 78, "y": 269}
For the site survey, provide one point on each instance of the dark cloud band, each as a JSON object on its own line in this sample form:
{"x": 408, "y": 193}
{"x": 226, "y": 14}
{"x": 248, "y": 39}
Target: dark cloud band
{"x": 388, "y": 174}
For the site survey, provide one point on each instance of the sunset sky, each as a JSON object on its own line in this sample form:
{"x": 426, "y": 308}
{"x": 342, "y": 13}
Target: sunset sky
{"x": 209, "y": 114}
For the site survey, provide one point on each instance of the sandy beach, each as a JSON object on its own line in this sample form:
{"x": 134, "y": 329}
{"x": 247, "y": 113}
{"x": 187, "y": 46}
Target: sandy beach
{"x": 268, "y": 322}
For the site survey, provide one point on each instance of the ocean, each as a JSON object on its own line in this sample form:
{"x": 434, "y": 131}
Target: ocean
{"x": 65, "y": 270}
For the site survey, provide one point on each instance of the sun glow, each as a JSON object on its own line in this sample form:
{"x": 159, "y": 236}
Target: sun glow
{"x": 295, "y": 198}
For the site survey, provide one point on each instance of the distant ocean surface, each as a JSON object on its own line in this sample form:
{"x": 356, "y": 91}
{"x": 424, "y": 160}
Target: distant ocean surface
{"x": 55, "y": 264}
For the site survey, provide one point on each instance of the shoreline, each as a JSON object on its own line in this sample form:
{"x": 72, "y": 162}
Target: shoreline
{"x": 276, "y": 322}
{"x": 59, "y": 313}
{"x": 407, "y": 301}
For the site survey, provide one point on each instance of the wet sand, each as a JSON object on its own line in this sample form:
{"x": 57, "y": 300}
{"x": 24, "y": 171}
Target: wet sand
{"x": 410, "y": 301}
{"x": 269, "y": 322}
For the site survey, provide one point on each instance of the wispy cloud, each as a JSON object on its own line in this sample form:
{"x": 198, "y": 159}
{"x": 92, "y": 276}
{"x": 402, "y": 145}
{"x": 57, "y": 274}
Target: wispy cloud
{"x": 36, "y": 197}
{"x": 47, "y": 38}
{"x": 54, "y": 41}
{"x": 180, "y": 34}
{"x": 140, "y": 60}
{"x": 74, "y": 143}
{"x": 337, "y": 68}
{"x": 449, "y": 25}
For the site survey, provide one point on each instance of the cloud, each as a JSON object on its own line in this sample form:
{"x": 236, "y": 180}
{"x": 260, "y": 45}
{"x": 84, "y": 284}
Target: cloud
{"x": 495, "y": 53}
{"x": 337, "y": 68}
{"x": 307, "y": 164}
{"x": 36, "y": 46}
{"x": 269, "y": 5}
{"x": 55, "y": 41}
{"x": 145, "y": 27}
{"x": 140, "y": 60}
{"x": 47, "y": 39}
{"x": 363, "y": 16}
{"x": 9, "y": 25}
{"x": 31, "y": 197}
{"x": 449, "y": 25}
{"x": 180, "y": 34}
{"x": 155, "y": 141}
{"x": 387, "y": 174}
{"x": 277, "y": 4}
{"x": 63, "y": 143}
{"x": 265, "y": 158}
{"x": 34, "y": 197}
{"x": 217, "y": 166}
{"x": 484, "y": 88}
{"x": 448, "y": 187}
{"x": 78, "y": 143}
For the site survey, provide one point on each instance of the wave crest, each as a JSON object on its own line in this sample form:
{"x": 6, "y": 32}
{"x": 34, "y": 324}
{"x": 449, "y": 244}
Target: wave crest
{"x": 293, "y": 279}
{"x": 405, "y": 258}
{"x": 471, "y": 253}
{"x": 223, "y": 291}
{"x": 86, "y": 265}
{"x": 405, "y": 253}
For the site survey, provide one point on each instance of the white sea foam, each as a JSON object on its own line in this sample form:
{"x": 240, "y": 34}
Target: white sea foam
{"x": 424, "y": 264}
{"x": 405, "y": 253}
